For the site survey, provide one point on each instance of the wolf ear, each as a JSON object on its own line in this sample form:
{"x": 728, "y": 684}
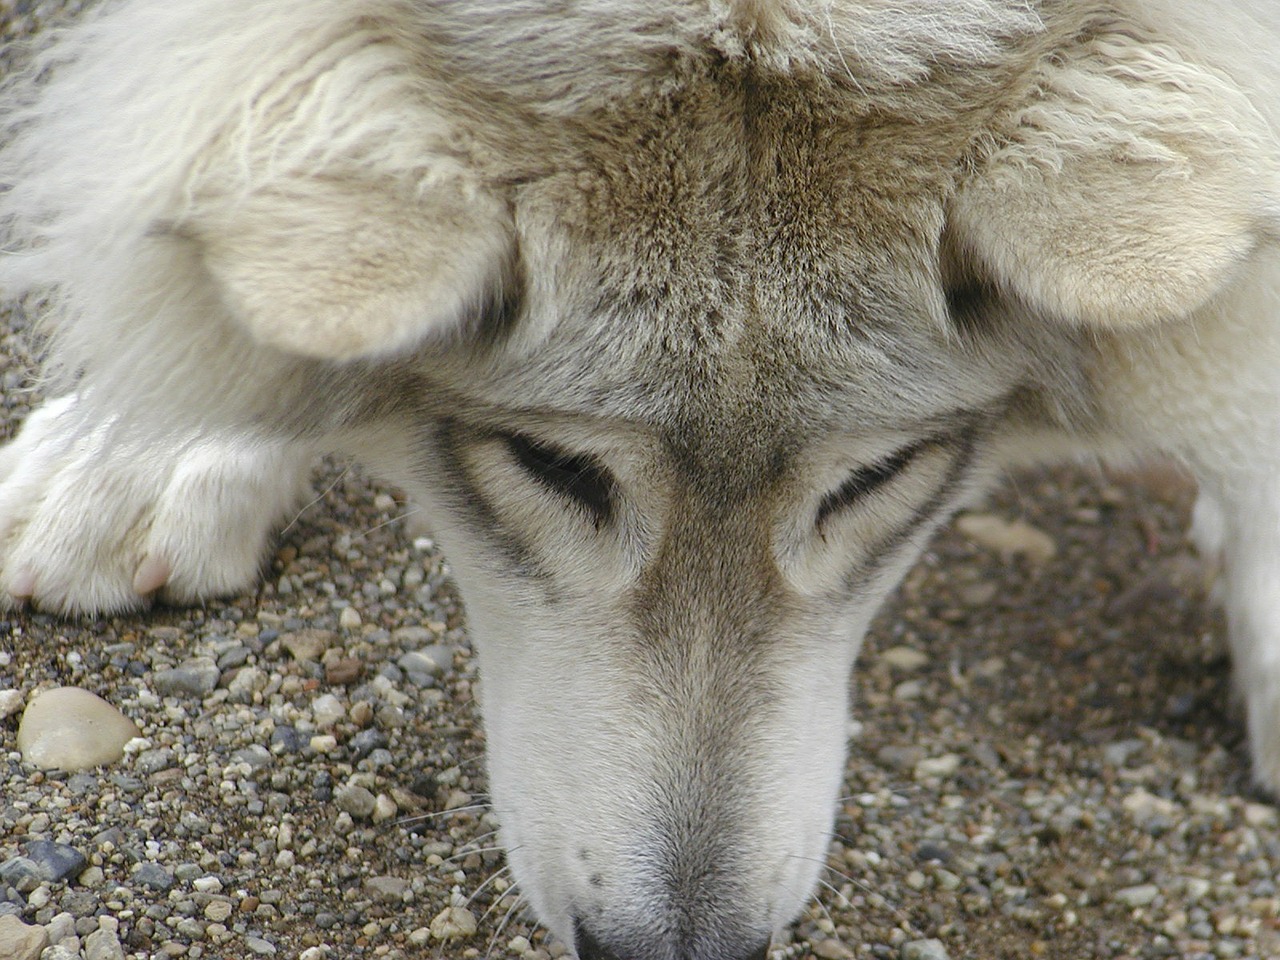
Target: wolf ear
{"x": 1130, "y": 190}
{"x": 339, "y": 270}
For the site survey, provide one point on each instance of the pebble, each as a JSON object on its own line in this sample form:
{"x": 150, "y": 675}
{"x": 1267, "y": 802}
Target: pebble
{"x": 54, "y": 861}
{"x": 904, "y": 658}
{"x": 153, "y": 876}
{"x": 943, "y": 766}
{"x": 308, "y": 644}
{"x": 831, "y": 949}
{"x": 387, "y": 889}
{"x": 1141, "y": 895}
{"x": 326, "y": 710}
{"x": 10, "y": 702}
{"x": 18, "y": 941}
{"x": 453, "y": 923}
{"x": 924, "y": 950}
{"x": 103, "y": 945}
{"x": 355, "y": 800}
{"x": 68, "y": 728}
{"x": 1009, "y": 538}
{"x": 192, "y": 678}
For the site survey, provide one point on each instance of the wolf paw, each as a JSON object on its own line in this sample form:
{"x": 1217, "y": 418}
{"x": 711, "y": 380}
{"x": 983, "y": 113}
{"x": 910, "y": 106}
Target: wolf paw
{"x": 101, "y": 519}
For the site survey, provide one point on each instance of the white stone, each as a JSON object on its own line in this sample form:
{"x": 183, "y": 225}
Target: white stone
{"x": 72, "y": 729}
{"x": 10, "y": 702}
{"x": 453, "y": 923}
{"x": 19, "y": 941}
{"x": 1007, "y": 537}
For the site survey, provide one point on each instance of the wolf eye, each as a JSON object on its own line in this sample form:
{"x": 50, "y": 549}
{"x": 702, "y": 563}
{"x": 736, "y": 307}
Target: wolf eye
{"x": 865, "y": 480}
{"x": 578, "y": 478}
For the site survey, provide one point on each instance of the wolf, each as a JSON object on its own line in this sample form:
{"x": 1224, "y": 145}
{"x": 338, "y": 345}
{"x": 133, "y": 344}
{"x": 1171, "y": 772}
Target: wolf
{"x": 686, "y": 322}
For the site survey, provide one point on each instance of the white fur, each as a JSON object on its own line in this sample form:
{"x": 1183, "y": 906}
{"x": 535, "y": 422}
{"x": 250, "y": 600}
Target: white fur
{"x": 93, "y": 521}
{"x": 271, "y": 229}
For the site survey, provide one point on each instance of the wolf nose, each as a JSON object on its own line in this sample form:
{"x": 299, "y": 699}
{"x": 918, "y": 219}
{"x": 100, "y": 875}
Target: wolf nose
{"x": 589, "y": 948}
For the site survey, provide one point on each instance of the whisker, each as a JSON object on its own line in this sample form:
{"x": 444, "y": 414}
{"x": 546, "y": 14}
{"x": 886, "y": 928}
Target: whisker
{"x": 386, "y": 523}
{"x": 497, "y": 935}
{"x": 320, "y": 496}
{"x": 463, "y": 854}
{"x": 452, "y": 812}
{"x": 492, "y": 877}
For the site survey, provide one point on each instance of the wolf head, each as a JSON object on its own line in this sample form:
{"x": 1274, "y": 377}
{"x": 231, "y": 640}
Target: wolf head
{"x": 694, "y": 365}
{"x": 688, "y": 324}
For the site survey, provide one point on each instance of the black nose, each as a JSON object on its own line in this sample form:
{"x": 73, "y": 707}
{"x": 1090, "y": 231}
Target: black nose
{"x": 588, "y": 947}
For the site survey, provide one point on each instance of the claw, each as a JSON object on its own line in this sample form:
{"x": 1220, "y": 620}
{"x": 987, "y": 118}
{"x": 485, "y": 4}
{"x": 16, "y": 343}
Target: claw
{"x": 153, "y": 573}
{"x": 23, "y": 585}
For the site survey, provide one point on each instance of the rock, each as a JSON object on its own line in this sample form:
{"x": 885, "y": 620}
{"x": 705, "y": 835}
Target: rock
{"x": 1138, "y": 896}
{"x": 1145, "y": 807}
{"x": 432, "y": 661}
{"x": 246, "y": 682}
{"x": 326, "y": 710}
{"x": 943, "y": 766}
{"x": 308, "y": 644}
{"x": 260, "y": 947}
{"x": 153, "y": 761}
{"x": 196, "y": 677}
{"x": 387, "y": 889}
{"x": 831, "y": 949}
{"x": 904, "y": 658}
{"x": 453, "y": 923}
{"x": 343, "y": 673}
{"x": 21, "y": 873}
{"x": 255, "y": 757}
{"x": 349, "y": 619}
{"x": 355, "y": 800}
{"x": 19, "y": 941}
{"x": 103, "y": 945}
{"x": 153, "y": 876}
{"x": 1009, "y": 538}
{"x": 67, "y": 728}
{"x": 924, "y": 950}
{"x": 10, "y": 702}
{"x": 56, "y": 861}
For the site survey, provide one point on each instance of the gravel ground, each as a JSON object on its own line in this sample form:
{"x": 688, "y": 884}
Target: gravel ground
{"x": 1045, "y": 760}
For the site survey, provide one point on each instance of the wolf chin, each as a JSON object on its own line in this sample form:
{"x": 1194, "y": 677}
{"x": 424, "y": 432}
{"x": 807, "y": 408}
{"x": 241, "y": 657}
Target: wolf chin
{"x": 686, "y": 322}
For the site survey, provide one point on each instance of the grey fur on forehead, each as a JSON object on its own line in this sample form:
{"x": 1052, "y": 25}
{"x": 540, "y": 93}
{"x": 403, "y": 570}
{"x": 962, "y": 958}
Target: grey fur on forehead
{"x": 573, "y": 52}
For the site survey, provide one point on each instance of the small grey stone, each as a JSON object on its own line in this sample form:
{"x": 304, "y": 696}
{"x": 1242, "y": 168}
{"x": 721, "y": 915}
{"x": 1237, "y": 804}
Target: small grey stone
{"x": 21, "y": 873}
{"x": 355, "y": 800}
{"x": 387, "y": 889}
{"x": 1137, "y": 896}
{"x": 61, "y": 927}
{"x": 924, "y": 950}
{"x": 153, "y": 761}
{"x": 262, "y": 948}
{"x": 56, "y": 861}
{"x": 255, "y": 755}
{"x": 60, "y": 952}
{"x": 82, "y": 784}
{"x": 193, "y": 678}
{"x": 10, "y": 702}
{"x": 245, "y": 684}
{"x": 418, "y": 666}
{"x": 287, "y": 740}
{"x": 366, "y": 741}
{"x": 80, "y": 903}
{"x": 154, "y": 876}
{"x": 103, "y": 945}
{"x": 236, "y": 656}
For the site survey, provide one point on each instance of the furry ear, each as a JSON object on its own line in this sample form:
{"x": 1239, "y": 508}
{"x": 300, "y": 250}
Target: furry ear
{"x": 338, "y": 269}
{"x": 1129, "y": 190}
